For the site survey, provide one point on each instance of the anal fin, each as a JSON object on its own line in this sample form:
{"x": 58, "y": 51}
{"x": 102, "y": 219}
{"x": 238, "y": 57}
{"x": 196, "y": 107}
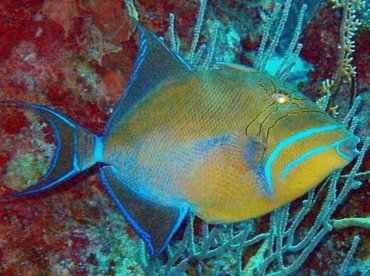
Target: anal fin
{"x": 155, "y": 223}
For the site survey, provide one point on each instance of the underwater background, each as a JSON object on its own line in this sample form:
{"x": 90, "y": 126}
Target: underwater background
{"x": 77, "y": 56}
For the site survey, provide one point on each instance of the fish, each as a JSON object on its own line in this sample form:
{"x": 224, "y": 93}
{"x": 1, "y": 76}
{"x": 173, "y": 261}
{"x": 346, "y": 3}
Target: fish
{"x": 228, "y": 144}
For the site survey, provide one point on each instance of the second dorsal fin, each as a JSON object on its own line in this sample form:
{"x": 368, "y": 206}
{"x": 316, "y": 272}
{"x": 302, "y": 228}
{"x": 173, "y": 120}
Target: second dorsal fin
{"x": 154, "y": 63}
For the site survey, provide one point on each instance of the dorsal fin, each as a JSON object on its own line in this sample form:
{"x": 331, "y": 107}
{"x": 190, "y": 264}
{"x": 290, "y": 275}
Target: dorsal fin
{"x": 154, "y": 63}
{"x": 253, "y": 153}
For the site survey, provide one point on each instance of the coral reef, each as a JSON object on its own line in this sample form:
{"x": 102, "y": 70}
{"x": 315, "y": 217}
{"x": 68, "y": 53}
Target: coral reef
{"x": 77, "y": 56}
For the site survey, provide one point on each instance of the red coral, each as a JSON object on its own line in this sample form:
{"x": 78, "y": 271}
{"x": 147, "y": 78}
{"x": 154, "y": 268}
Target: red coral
{"x": 16, "y": 23}
{"x": 48, "y": 57}
{"x": 12, "y": 120}
{"x": 362, "y": 56}
{"x": 320, "y": 45}
{"x": 4, "y": 158}
{"x": 250, "y": 45}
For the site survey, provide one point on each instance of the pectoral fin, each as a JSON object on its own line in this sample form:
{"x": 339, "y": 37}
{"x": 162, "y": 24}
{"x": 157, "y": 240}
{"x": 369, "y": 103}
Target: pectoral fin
{"x": 155, "y": 223}
{"x": 254, "y": 155}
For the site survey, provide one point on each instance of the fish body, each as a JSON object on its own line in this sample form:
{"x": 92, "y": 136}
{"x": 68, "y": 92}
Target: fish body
{"x": 188, "y": 143}
{"x": 228, "y": 144}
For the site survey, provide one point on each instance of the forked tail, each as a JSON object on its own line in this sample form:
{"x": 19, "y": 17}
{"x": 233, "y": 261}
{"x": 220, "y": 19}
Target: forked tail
{"x": 76, "y": 148}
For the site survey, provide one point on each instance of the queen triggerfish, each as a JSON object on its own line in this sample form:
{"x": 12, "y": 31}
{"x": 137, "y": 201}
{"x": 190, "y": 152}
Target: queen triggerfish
{"x": 228, "y": 144}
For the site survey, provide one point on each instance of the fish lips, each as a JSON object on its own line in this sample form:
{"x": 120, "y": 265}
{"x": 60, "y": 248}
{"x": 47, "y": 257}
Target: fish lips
{"x": 347, "y": 148}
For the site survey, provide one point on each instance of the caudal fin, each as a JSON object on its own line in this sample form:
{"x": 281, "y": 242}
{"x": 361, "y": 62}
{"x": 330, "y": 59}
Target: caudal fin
{"x": 76, "y": 149}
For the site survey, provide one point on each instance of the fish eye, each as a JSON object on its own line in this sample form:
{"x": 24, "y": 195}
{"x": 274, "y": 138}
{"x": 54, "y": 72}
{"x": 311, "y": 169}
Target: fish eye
{"x": 280, "y": 98}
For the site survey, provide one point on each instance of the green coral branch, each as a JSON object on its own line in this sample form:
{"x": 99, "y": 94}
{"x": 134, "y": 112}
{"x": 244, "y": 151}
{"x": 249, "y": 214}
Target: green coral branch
{"x": 362, "y": 176}
{"x": 343, "y": 270}
{"x": 132, "y": 9}
{"x": 351, "y": 222}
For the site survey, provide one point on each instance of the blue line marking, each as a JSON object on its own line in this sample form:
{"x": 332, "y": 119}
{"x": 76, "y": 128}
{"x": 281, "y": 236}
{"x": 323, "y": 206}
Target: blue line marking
{"x": 345, "y": 156}
{"x": 142, "y": 52}
{"x": 56, "y": 154}
{"x": 287, "y": 142}
{"x": 139, "y": 60}
{"x": 204, "y": 145}
{"x": 98, "y": 149}
{"x": 45, "y": 187}
{"x": 183, "y": 212}
{"x": 47, "y": 110}
{"x": 311, "y": 153}
{"x": 65, "y": 120}
{"x": 75, "y": 147}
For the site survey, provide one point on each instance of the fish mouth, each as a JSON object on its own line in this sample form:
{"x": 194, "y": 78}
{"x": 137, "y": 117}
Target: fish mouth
{"x": 347, "y": 148}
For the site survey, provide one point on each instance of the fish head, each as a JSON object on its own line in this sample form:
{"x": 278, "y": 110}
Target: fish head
{"x": 302, "y": 144}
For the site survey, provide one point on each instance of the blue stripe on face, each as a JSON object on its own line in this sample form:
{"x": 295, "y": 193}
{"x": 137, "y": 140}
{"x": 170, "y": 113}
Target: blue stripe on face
{"x": 287, "y": 142}
{"x": 311, "y": 153}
